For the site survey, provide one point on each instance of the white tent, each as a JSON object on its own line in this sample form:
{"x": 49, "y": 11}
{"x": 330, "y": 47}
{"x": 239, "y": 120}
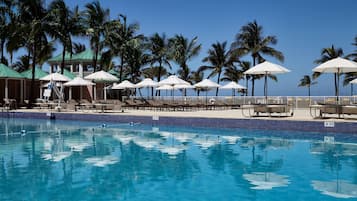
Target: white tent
{"x": 206, "y": 84}
{"x": 266, "y": 68}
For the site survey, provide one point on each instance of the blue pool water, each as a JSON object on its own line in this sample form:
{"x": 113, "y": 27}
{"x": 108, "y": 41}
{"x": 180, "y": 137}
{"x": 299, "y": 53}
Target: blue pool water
{"x": 66, "y": 160}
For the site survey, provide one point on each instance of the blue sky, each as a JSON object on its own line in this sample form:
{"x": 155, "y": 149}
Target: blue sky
{"x": 302, "y": 28}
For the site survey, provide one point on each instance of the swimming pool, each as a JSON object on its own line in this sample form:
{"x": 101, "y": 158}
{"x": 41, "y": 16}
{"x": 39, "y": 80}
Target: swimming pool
{"x": 73, "y": 160}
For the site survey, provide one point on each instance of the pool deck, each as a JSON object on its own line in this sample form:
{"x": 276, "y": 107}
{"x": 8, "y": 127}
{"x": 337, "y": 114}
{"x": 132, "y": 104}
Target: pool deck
{"x": 300, "y": 121}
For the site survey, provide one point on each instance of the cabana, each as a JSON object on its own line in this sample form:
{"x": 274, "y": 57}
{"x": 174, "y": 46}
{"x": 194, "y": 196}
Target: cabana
{"x": 10, "y": 79}
{"x": 39, "y": 73}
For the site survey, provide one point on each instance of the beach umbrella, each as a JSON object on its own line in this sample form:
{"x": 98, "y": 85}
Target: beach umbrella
{"x": 78, "y": 81}
{"x": 102, "y": 77}
{"x": 124, "y": 85}
{"x": 233, "y": 85}
{"x": 337, "y": 66}
{"x": 57, "y": 77}
{"x": 266, "y": 68}
{"x": 173, "y": 80}
{"x": 147, "y": 83}
{"x": 206, "y": 84}
{"x": 165, "y": 87}
{"x": 354, "y": 81}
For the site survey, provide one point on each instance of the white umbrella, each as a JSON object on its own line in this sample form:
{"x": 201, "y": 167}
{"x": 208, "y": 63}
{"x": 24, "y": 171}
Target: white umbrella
{"x": 337, "y": 65}
{"x": 206, "y": 84}
{"x": 165, "y": 87}
{"x": 232, "y": 85}
{"x": 102, "y": 77}
{"x": 78, "y": 81}
{"x": 147, "y": 82}
{"x": 124, "y": 85}
{"x": 173, "y": 80}
{"x": 266, "y": 68}
{"x": 57, "y": 77}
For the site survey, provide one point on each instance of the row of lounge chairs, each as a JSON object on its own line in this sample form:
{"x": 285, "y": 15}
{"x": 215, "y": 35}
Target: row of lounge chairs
{"x": 324, "y": 110}
{"x": 177, "y": 105}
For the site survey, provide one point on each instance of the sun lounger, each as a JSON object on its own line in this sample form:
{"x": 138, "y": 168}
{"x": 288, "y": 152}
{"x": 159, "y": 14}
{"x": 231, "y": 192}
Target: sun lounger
{"x": 280, "y": 110}
{"x": 349, "y": 110}
{"x": 320, "y": 110}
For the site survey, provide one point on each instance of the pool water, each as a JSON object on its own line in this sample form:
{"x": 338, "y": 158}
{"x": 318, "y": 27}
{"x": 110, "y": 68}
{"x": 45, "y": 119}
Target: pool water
{"x": 66, "y": 160}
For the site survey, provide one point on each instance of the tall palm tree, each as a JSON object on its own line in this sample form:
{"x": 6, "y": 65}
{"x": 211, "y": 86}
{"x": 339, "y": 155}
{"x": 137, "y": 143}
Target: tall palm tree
{"x": 159, "y": 49}
{"x": 220, "y": 59}
{"x": 127, "y": 39}
{"x": 326, "y": 55}
{"x": 6, "y": 17}
{"x": 250, "y": 40}
{"x": 64, "y": 24}
{"x": 306, "y": 81}
{"x": 353, "y": 55}
{"x": 136, "y": 59}
{"x": 183, "y": 50}
{"x": 33, "y": 24}
{"x": 95, "y": 18}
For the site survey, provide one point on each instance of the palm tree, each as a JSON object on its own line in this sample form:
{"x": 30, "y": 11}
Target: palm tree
{"x": 159, "y": 49}
{"x": 64, "y": 24}
{"x": 220, "y": 59}
{"x": 196, "y": 77}
{"x": 136, "y": 59}
{"x": 6, "y": 17}
{"x": 306, "y": 81}
{"x": 183, "y": 51}
{"x": 326, "y": 55}
{"x": 348, "y": 78}
{"x": 153, "y": 71}
{"x": 96, "y": 18}
{"x": 127, "y": 38}
{"x": 78, "y": 48}
{"x": 251, "y": 41}
{"x": 353, "y": 55}
{"x": 33, "y": 25}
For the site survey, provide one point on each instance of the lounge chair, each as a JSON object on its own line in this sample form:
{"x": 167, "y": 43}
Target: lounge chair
{"x": 349, "y": 109}
{"x": 281, "y": 110}
{"x": 320, "y": 110}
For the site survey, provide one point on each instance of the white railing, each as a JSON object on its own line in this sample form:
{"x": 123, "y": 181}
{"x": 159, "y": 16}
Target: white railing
{"x": 296, "y": 101}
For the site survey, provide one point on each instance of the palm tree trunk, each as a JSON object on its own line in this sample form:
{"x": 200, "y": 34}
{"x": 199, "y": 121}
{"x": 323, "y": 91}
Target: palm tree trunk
{"x": 32, "y": 88}
{"x": 246, "y": 85}
{"x": 63, "y": 56}
{"x": 2, "y": 50}
{"x": 253, "y": 86}
{"x": 336, "y": 89}
{"x": 218, "y": 78}
{"x": 96, "y": 57}
{"x": 309, "y": 87}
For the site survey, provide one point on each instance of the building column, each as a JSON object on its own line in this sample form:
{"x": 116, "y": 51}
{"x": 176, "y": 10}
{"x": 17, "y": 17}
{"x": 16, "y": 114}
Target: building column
{"x": 22, "y": 90}
{"x": 70, "y": 93}
{"x": 80, "y": 70}
{"x": 6, "y": 90}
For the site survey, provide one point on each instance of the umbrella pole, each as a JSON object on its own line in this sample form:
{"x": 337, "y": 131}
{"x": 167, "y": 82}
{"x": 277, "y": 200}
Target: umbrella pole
{"x": 266, "y": 87}
{"x": 338, "y": 84}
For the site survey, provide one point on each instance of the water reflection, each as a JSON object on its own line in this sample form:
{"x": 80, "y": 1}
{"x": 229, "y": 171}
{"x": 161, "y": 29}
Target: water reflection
{"x": 332, "y": 155}
{"x": 79, "y": 163}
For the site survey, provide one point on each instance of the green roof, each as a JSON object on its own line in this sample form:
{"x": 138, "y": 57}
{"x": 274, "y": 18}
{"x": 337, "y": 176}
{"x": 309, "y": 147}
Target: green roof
{"x": 68, "y": 74}
{"x": 58, "y": 58}
{"x": 39, "y": 73}
{"x": 6, "y": 72}
{"x": 85, "y": 56}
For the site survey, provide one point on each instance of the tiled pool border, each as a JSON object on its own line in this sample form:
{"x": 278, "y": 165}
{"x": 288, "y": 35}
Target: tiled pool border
{"x": 305, "y": 126}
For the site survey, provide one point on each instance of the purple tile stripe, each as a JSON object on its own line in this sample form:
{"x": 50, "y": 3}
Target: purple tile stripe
{"x": 307, "y": 126}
